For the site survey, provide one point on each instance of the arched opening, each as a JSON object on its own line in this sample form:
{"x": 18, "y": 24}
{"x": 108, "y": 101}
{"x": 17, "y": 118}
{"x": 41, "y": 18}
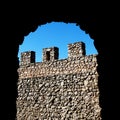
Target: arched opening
{"x": 61, "y": 84}
{"x": 18, "y": 28}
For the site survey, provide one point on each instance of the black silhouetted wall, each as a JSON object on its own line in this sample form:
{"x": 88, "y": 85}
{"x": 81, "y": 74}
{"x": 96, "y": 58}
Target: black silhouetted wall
{"x": 15, "y": 25}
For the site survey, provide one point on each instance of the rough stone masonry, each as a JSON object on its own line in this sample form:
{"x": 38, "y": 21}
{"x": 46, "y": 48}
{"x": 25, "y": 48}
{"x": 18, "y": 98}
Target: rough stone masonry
{"x": 54, "y": 89}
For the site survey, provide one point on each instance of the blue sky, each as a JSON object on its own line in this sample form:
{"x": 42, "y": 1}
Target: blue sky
{"x": 57, "y": 34}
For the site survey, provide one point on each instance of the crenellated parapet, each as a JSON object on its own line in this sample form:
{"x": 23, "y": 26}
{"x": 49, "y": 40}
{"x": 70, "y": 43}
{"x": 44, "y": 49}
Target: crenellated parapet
{"x": 76, "y": 49}
{"x": 76, "y": 62}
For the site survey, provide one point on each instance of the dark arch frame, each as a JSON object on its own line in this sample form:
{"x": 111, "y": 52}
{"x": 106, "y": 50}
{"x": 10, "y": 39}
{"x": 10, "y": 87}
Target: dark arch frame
{"x": 18, "y": 28}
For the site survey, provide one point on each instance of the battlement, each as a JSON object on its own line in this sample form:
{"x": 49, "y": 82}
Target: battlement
{"x": 76, "y": 62}
{"x": 76, "y": 49}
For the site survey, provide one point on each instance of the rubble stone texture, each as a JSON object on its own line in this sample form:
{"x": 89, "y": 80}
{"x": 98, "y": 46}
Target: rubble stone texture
{"x": 54, "y": 89}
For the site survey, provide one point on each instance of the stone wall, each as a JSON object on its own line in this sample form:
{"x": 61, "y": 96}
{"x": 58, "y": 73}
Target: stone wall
{"x": 55, "y": 89}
